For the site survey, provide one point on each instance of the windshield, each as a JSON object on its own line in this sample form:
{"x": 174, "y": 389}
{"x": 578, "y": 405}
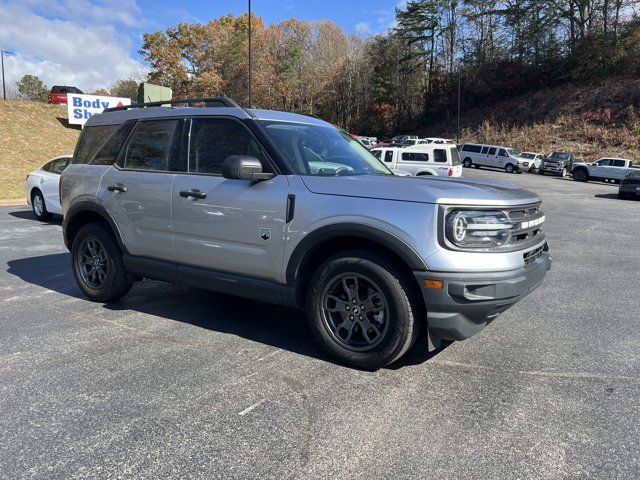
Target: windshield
{"x": 322, "y": 150}
{"x": 559, "y": 155}
{"x": 527, "y": 155}
{"x": 512, "y": 152}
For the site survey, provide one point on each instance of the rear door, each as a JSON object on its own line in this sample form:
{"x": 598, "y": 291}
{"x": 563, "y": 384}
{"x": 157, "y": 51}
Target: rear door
{"x": 235, "y": 226}
{"x": 137, "y": 190}
{"x": 491, "y": 157}
{"x": 617, "y": 169}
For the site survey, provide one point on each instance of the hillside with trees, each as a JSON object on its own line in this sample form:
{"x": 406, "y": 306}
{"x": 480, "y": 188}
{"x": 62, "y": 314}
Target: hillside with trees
{"x": 407, "y": 79}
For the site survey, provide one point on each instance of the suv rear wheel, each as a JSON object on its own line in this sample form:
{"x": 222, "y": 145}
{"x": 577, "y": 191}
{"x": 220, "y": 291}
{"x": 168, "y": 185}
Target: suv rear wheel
{"x": 362, "y": 309}
{"x": 97, "y": 264}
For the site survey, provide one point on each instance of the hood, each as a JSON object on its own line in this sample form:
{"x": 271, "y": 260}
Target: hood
{"x": 429, "y": 189}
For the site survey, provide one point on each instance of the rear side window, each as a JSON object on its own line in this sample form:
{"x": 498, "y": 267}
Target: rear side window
{"x": 440, "y": 155}
{"x": 152, "y": 145}
{"x": 213, "y": 140}
{"x": 472, "y": 148}
{"x": 619, "y": 163}
{"x": 485, "y": 149}
{"x": 415, "y": 157}
{"x": 91, "y": 141}
{"x": 377, "y": 154}
{"x": 108, "y": 154}
{"x": 492, "y": 151}
{"x": 388, "y": 156}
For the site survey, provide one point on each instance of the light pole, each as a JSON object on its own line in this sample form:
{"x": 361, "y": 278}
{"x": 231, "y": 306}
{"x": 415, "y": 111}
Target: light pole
{"x": 458, "y": 119}
{"x": 4, "y": 88}
{"x": 250, "y": 96}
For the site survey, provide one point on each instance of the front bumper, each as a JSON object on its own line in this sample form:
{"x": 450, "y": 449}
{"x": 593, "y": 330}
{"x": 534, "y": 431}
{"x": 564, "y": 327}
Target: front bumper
{"x": 470, "y": 301}
{"x": 552, "y": 169}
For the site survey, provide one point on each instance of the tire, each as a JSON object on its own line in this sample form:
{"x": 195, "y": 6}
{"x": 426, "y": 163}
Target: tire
{"x": 467, "y": 162}
{"x": 38, "y": 206}
{"x": 540, "y": 172}
{"x": 391, "y": 295}
{"x": 622, "y": 196}
{"x": 113, "y": 282}
{"x": 509, "y": 168}
{"x": 580, "y": 175}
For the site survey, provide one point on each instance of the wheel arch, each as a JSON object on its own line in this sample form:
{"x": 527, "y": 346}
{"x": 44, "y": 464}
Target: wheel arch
{"x": 327, "y": 241}
{"x": 86, "y": 212}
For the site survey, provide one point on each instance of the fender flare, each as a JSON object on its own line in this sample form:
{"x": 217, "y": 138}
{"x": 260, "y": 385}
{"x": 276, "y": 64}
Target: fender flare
{"x": 426, "y": 173}
{"x": 316, "y": 238}
{"x": 87, "y": 206}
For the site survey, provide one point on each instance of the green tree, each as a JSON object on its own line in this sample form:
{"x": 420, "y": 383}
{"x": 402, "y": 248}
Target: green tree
{"x": 32, "y": 88}
{"x": 125, "y": 88}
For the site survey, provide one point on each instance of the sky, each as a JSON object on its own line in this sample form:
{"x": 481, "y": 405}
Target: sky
{"x": 92, "y": 43}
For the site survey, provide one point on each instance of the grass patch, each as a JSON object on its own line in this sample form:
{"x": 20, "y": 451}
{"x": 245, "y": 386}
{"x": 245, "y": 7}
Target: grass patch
{"x": 30, "y": 134}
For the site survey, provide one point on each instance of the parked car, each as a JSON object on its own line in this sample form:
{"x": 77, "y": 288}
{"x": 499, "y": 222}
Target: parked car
{"x": 58, "y": 94}
{"x": 421, "y": 160}
{"x": 364, "y": 141}
{"x": 437, "y": 140}
{"x": 630, "y": 184}
{"x": 289, "y": 209}
{"x": 558, "y": 163}
{"x": 410, "y": 142}
{"x": 480, "y": 155}
{"x": 398, "y": 139}
{"x": 531, "y": 161}
{"x": 603, "y": 169}
{"x": 43, "y": 187}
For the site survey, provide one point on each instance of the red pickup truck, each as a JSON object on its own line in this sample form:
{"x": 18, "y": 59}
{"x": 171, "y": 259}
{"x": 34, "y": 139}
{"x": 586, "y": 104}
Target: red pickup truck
{"x": 58, "y": 94}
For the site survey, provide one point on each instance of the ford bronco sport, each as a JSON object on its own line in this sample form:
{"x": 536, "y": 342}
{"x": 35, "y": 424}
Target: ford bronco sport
{"x": 286, "y": 208}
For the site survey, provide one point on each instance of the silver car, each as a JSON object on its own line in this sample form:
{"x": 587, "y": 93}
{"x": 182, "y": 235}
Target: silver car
{"x": 289, "y": 209}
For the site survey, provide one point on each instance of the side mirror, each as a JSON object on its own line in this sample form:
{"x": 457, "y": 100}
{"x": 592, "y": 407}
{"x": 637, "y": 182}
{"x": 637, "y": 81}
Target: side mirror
{"x": 244, "y": 167}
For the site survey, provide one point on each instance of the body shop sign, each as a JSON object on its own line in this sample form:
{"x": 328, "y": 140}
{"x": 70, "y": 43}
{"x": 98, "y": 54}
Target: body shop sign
{"x": 81, "y": 107}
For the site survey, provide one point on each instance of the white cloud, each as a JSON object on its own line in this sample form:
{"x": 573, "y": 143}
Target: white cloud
{"x": 363, "y": 28}
{"x": 69, "y": 43}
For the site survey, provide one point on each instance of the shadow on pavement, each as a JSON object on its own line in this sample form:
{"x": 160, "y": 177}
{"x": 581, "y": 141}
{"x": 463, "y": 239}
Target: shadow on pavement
{"x": 28, "y": 215}
{"x": 607, "y": 195}
{"x": 280, "y": 327}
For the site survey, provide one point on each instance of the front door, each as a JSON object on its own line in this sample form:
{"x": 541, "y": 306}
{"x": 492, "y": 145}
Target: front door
{"x": 137, "y": 192}
{"x": 235, "y": 226}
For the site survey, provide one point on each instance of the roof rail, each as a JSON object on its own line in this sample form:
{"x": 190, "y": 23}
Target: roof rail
{"x": 208, "y": 101}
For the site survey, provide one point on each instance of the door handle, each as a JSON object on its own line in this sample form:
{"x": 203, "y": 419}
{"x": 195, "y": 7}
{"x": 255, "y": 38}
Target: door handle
{"x": 117, "y": 188}
{"x": 193, "y": 193}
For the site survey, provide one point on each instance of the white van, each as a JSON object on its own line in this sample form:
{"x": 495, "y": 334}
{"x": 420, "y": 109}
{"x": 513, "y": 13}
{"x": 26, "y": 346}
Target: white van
{"x": 495, "y": 156}
{"x": 430, "y": 159}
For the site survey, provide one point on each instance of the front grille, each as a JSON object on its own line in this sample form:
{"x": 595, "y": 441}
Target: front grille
{"x": 528, "y": 222}
{"x": 532, "y": 255}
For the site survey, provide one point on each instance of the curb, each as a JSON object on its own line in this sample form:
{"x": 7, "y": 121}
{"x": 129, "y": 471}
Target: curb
{"x": 13, "y": 202}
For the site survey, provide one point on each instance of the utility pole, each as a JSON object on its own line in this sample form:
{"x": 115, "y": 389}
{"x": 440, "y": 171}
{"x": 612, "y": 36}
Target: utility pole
{"x": 250, "y": 95}
{"x": 458, "y": 128}
{"x": 4, "y": 88}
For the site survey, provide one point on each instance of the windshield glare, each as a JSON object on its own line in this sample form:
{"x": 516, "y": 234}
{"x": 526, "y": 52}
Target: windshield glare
{"x": 322, "y": 150}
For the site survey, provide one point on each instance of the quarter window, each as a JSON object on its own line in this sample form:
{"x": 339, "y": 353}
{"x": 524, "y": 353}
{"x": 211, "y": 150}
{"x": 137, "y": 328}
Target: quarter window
{"x": 377, "y": 154}
{"x": 213, "y": 140}
{"x": 152, "y": 145}
{"x": 471, "y": 148}
{"x": 440, "y": 155}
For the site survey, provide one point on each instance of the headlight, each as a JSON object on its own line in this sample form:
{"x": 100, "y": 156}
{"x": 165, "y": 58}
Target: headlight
{"x": 478, "y": 229}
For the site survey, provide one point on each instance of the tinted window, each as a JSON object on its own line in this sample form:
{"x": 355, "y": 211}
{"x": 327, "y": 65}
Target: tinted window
{"x": 377, "y": 154}
{"x": 502, "y": 153}
{"x": 485, "y": 149}
{"x": 415, "y": 157}
{"x": 619, "y": 163}
{"x": 388, "y": 156}
{"x": 635, "y": 173}
{"x": 91, "y": 141}
{"x": 151, "y": 145}
{"x": 58, "y": 166}
{"x": 527, "y": 155}
{"x": 109, "y": 151}
{"x": 440, "y": 155}
{"x": 213, "y": 140}
{"x": 471, "y": 148}
{"x": 604, "y": 163}
{"x": 492, "y": 151}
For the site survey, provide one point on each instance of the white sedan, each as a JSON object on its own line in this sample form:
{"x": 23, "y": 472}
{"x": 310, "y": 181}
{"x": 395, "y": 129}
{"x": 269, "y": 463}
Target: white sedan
{"x": 42, "y": 187}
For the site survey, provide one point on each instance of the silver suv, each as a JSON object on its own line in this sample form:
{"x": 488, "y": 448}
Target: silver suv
{"x": 289, "y": 209}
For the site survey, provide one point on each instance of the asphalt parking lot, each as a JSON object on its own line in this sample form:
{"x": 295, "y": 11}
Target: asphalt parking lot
{"x": 181, "y": 383}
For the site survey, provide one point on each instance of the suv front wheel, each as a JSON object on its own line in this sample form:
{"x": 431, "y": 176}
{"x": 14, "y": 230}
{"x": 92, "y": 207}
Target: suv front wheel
{"x": 363, "y": 310}
{"x": 97, "y": 264}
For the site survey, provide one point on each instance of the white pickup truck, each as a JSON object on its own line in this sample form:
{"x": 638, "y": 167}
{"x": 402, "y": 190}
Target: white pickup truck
{"x": 603, "y": 169}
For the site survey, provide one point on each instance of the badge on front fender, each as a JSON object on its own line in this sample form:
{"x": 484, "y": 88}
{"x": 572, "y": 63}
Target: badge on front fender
{"x": 264, "y": 233}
